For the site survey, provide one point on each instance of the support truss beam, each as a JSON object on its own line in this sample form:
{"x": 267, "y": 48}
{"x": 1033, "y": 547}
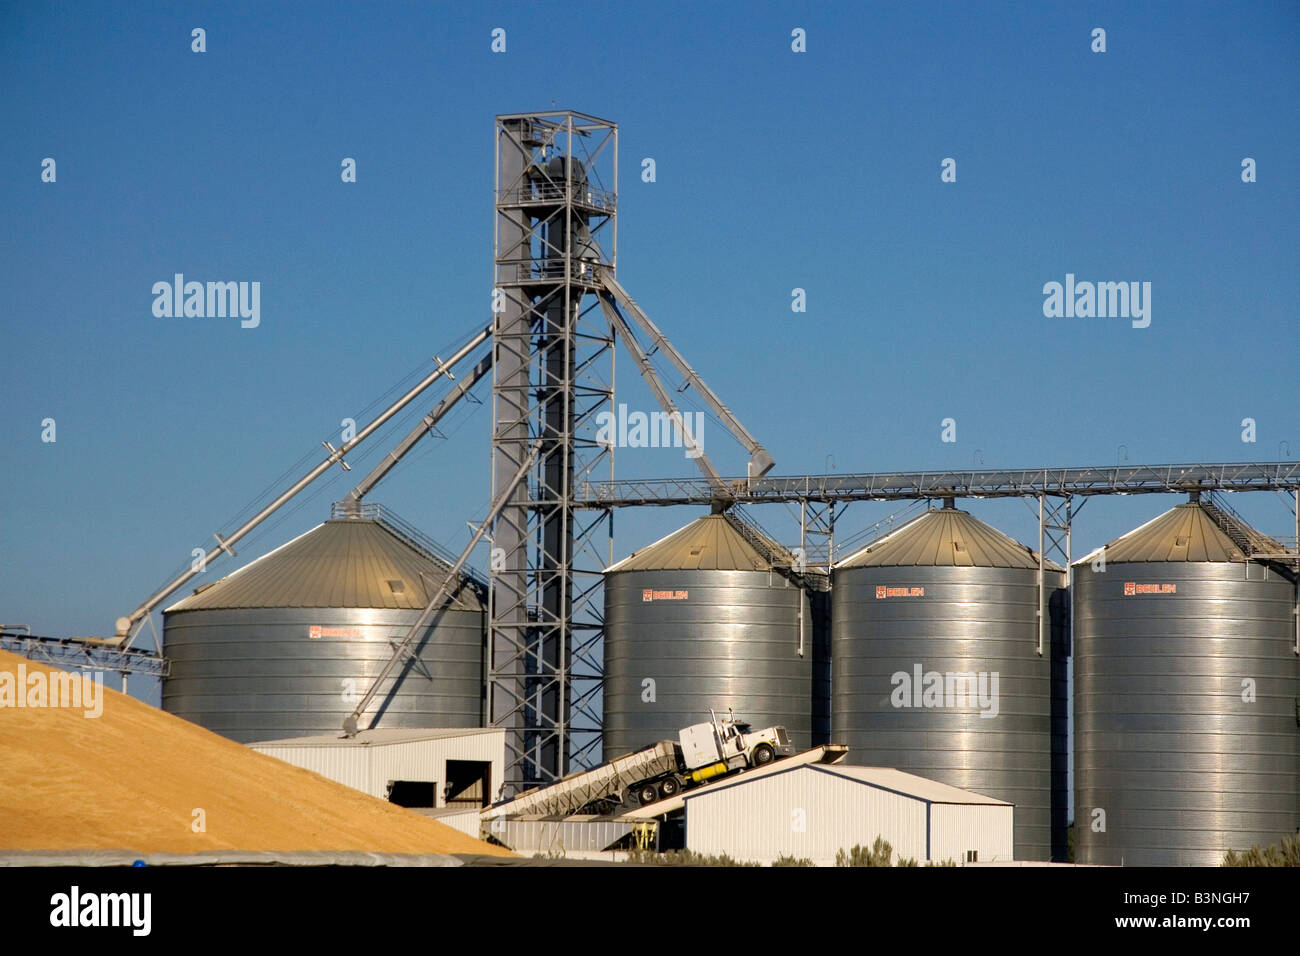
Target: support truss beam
{"x": 760, "y": 462}
{"x": 426, "y": 426}
{"x": 899, "y": 486}
{"x": 92, "y": 655}
{"x": 663, "y": 397}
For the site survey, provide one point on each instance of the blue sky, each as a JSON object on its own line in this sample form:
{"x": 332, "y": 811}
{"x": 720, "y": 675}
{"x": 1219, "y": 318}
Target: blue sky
{"x": 775, "y": 170}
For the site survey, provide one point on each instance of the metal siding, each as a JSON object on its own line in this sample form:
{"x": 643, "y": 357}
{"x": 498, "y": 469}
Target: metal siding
{"x": 487, "y": 748}
{"x": 466, "y": 821}
{"x": 558, "y": 836}
{"x": 970, "y": 619}
{"x": 753, "y": 821}
{"x": 733, "y": 643}
{"x": 425, "y": 760}
{"x": 255, "y": 674}
{"x": 349, "y": 766}
{"x": 956, "y": 828}
{"x": 1183, "y": 767}
{"x": 368, "y": 768}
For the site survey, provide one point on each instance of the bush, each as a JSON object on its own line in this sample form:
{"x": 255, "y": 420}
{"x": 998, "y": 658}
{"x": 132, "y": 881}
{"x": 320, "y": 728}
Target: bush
{"x": 880, "y": 854}
{"x": 1286, "y": 853}
{"x": 683, "y": 858}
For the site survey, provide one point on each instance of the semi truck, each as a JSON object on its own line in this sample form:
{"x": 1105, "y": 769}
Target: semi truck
{"x": 713, "y": 749}
{"x": 702, "y": 752}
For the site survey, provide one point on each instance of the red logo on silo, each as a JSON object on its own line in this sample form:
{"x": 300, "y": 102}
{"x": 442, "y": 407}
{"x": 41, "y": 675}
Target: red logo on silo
{"x": 1131, "y": 587}
{"x": 888, "y": 592}
{"x": 317, "y": 631}
{"x": 647, "y": 595}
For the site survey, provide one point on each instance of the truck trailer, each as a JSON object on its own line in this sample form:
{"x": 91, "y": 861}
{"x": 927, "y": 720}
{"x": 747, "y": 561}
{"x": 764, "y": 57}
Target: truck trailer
{"x": 702, "y": 752}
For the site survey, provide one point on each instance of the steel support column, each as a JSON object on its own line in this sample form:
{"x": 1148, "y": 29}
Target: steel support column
{"x": 556, "y": 193}
{"x": 817, "y": 533}
{"x": 1054, "y": 517}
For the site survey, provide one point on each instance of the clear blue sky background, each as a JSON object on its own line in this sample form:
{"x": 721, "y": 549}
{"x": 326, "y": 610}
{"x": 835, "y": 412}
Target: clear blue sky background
{"x": 776, "y": 170}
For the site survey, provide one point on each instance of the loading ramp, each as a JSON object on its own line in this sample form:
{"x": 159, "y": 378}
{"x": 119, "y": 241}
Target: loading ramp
{"x": 825, "y": 754}
{"x": 610, "y": 783}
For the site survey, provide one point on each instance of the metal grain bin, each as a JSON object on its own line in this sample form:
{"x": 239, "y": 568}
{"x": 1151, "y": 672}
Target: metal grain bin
{"x": 708, "y": 617}
{"x": 1171, "y": 640}
{"x": 937, "y": 670}
{"x": 272, "y": 650}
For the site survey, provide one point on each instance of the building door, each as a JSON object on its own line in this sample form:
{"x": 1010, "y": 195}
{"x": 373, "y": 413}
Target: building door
{"x": 468, "y": 783}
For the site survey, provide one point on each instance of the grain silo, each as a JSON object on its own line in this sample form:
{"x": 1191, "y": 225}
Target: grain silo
{"x": 940, "y": 668}
{"x": 1185, "y": 687}
{"x": 285, "y": 646}
{"x": 711, "y": 616}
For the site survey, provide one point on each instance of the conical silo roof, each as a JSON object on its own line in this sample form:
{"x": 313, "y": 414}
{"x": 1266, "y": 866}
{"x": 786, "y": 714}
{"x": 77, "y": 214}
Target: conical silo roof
{"x": 945, "y": 537}
{"x": 712, "y": 543}
{"x": 1195, "y": 531}
{"x": 347, "y": 563}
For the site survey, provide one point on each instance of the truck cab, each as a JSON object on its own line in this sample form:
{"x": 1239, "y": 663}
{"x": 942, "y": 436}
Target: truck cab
{"x": 731, "y": 743}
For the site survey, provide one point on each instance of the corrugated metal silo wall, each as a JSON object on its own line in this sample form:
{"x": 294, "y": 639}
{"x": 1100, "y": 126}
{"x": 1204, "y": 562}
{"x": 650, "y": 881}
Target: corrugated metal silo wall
{"x": 732, "y": 641}
{"x": 256, "y": 674}
{"x": 1183, "y": 767}
{"x": 959, "y": 620}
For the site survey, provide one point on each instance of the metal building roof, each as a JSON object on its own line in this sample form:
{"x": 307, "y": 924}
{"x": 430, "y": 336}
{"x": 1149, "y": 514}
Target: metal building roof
{"x": 1195, "y": 531}
{"x": 352, "y": 563}
{"x": 885, "y": 778}
{"x": 711, "y": 543}
{"x": 946, "y": 537}
{"x": 910, "y": 784}
{"x": 380, "y": 737}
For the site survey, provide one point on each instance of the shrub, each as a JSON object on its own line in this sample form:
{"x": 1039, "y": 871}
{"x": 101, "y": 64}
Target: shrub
{"x": 683, "y": 858}
{"x": 880, "y": 854}
{"x": 1286, "y": 853}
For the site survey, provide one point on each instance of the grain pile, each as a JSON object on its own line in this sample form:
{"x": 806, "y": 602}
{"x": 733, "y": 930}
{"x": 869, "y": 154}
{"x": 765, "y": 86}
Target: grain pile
{"x": 133, "y": 778}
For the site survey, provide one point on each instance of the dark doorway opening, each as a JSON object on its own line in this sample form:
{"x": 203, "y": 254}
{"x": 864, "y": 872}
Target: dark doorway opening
{"x": 469, "y": 783}
{"x": 412, "y": 793}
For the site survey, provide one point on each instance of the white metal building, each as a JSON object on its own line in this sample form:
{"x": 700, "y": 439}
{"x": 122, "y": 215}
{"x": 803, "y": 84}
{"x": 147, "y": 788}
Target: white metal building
{"x": 815, "y": 810}
{"x": 449, "y": 774}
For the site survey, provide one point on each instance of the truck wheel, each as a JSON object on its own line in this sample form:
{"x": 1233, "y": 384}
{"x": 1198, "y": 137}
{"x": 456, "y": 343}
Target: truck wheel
{"x": 669, "y": 787}
{"x": 647, "y": 794}
{"x": 763, "y": 754}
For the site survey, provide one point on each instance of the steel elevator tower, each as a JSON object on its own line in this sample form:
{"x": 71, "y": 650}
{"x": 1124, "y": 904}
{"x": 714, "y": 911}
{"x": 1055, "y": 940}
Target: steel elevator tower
{"x": 553, "y": 373}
